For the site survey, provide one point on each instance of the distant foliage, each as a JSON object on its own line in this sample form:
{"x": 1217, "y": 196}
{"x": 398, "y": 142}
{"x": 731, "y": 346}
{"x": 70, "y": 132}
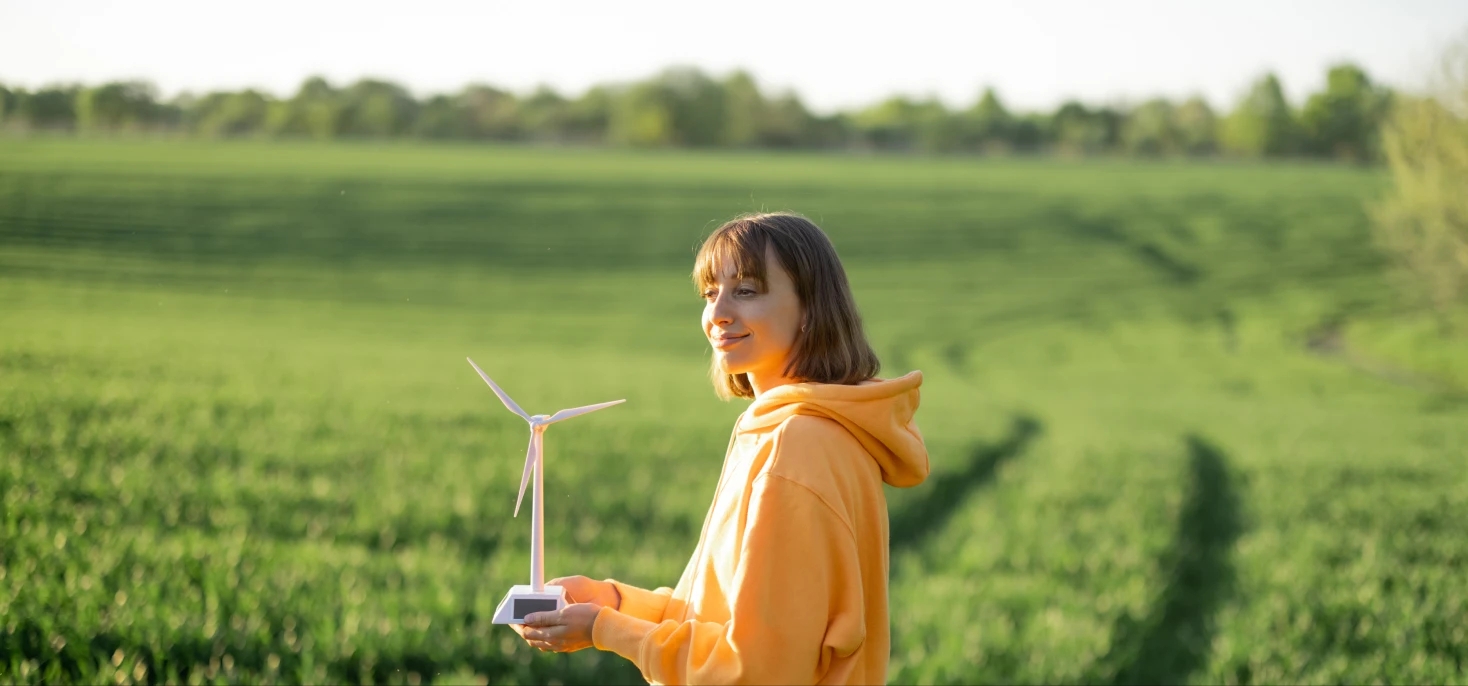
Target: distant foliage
{"x": 1079, "y": 130}
{"x": 119, "y": 106}
{"x": 1342, "y": 120}
{"x": 1263, "y": 125}
{"x": 1423, "y": 222}
{"x": 685, "y": 107}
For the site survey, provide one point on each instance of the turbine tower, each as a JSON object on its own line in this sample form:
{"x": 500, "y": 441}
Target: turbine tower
{"x": 535, "y": 597}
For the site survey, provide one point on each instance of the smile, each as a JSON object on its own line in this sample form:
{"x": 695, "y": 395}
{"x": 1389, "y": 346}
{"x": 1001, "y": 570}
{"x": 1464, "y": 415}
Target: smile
{"x": 724, "y": 343}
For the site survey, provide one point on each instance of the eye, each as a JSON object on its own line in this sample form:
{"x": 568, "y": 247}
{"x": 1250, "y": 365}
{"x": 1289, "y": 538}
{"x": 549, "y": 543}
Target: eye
{"x": 746, "y": 291}
{"x": 707, "y": 294}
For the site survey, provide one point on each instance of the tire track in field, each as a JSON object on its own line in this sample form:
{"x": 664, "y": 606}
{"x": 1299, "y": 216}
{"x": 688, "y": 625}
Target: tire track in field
{"x": 1176, "y": 637}
{"x": 920, "y": 518}
{"x": 1144, "y": 249}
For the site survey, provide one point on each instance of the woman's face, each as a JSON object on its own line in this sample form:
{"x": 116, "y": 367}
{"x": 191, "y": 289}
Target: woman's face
{"x": 753, "y": 331}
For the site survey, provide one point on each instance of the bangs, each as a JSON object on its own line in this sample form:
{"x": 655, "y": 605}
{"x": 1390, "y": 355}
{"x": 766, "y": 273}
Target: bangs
{"x": 740, "y": 246}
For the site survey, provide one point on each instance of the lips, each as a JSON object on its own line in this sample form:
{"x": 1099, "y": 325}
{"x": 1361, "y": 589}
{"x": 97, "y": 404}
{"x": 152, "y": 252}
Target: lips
{"x": 724, "y": 342}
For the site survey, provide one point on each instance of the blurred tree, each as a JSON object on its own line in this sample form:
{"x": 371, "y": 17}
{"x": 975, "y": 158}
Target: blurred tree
{"x": 588, "y": 116}
{"x": 116, "y": 106}
{"x": 830, "y": 131}
{"x": 184, "y": 101}
{"x": 231, "y": 114}
{"x": 544, "y": 114}
{"x": 1262, "y": 125}
{"x": 696, "y": 104}
{"x": 1423, "y": 221}
{"x": 988, "y": 126}
{"x": 1197, "y": 127}
{"x": 1030, "y": 133}
{"x": 314, "y": 111}
{"x": 1344, "y": 120}
{"x": 746, "y": 112}
{"x": 376, "y": 109}
{"x": 490, "y": 113}
{"x": 1077, "y": 130}
{"x": 51, "y": 108}
{"x": 641, "y": 116}
{"x": 787, "y": 123}
{"x": 440, "y": 118}
{"x": 282, "y": 119}
{"x": 680, "y": 106}
{"x": 9, "y": 101}
{"x": 1151, "y": 129}
{"x": 890, "y": 125}
{"x": 170, "y": 115}
{"x": 938, "y": 130}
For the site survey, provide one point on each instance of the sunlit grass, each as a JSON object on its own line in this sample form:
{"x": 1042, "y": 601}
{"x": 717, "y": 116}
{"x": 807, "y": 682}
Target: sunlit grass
{"x": 239, "y": 441}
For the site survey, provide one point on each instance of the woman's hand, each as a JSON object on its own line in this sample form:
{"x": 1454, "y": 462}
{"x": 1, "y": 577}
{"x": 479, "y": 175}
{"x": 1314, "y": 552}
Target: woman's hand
{"x": 580, "y": 589}
{"x": 569, "y": 629}
{"x": 562, "y": 631}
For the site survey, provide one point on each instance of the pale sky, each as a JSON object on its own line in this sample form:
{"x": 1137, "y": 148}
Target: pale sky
{"x": 835, "y": 54}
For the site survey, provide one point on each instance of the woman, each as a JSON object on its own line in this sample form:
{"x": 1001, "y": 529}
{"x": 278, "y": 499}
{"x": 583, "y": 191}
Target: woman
{"x": 788, "y": 583}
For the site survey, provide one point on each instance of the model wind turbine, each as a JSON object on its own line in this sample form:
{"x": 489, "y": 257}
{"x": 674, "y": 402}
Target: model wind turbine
{"x": 536, "y": 597}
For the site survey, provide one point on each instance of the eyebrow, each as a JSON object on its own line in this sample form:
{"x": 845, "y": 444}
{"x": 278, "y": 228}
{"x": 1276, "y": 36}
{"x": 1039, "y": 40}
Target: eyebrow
{"x": 759, "y": 285}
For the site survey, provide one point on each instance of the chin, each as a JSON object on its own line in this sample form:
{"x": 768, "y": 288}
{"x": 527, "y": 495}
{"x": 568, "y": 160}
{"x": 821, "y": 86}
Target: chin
{"x": 729, "y": 366}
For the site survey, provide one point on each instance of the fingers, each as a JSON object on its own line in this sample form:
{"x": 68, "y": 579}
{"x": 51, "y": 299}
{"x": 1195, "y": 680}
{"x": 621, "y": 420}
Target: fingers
{"x": 549, "y": 640}
{"x": 539, "y": 619}
{"x": 560, "y": 631}
{"x": 535, "y": 637}
{"x": 547, "y": 634}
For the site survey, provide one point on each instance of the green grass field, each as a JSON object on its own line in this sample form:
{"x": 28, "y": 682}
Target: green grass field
{"x": 1180, "y": 427}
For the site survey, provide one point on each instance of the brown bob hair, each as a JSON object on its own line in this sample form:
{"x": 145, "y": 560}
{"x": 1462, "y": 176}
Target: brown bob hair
{"x": 832, "y": 347}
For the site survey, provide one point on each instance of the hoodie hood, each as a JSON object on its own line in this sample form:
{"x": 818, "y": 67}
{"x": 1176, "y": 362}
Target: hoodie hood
{"x": 877, "y": 412}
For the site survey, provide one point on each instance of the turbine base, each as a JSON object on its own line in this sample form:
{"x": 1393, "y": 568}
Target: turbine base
{"x": 522, "y": 600}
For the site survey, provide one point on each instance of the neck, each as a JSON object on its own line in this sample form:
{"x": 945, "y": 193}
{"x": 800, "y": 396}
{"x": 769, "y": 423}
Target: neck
{"x": 764, "y": 382}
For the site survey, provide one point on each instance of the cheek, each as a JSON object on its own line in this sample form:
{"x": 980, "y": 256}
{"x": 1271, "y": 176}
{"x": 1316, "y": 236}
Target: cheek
{"x": 789, "y": 318}
{"x": 777, "y": 324}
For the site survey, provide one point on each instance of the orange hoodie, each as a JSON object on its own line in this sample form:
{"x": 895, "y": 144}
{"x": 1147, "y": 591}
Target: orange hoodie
{"x": 788, "y": 584}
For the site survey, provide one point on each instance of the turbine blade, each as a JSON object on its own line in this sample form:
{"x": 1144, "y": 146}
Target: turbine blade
{"x": 575, "y": 411}
{"x": 531, "y": 455}
{"x": 504, "y": 397}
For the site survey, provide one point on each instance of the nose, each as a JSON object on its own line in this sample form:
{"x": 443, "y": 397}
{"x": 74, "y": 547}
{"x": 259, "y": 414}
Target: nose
{"x": 720, "y": 312}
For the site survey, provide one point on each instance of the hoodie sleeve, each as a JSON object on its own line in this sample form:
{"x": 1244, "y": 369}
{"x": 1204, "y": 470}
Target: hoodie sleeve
{"x": 642, "y": 603}
{"x": 795, "y": 605}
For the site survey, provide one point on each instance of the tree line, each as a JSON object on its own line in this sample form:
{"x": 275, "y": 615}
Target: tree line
{"x": 686, "y": 107}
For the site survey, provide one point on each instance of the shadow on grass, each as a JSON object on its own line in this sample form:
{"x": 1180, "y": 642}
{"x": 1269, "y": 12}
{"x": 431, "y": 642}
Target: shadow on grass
{"x": 1175, "y": 638}
{"x": 912, "y": 524}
